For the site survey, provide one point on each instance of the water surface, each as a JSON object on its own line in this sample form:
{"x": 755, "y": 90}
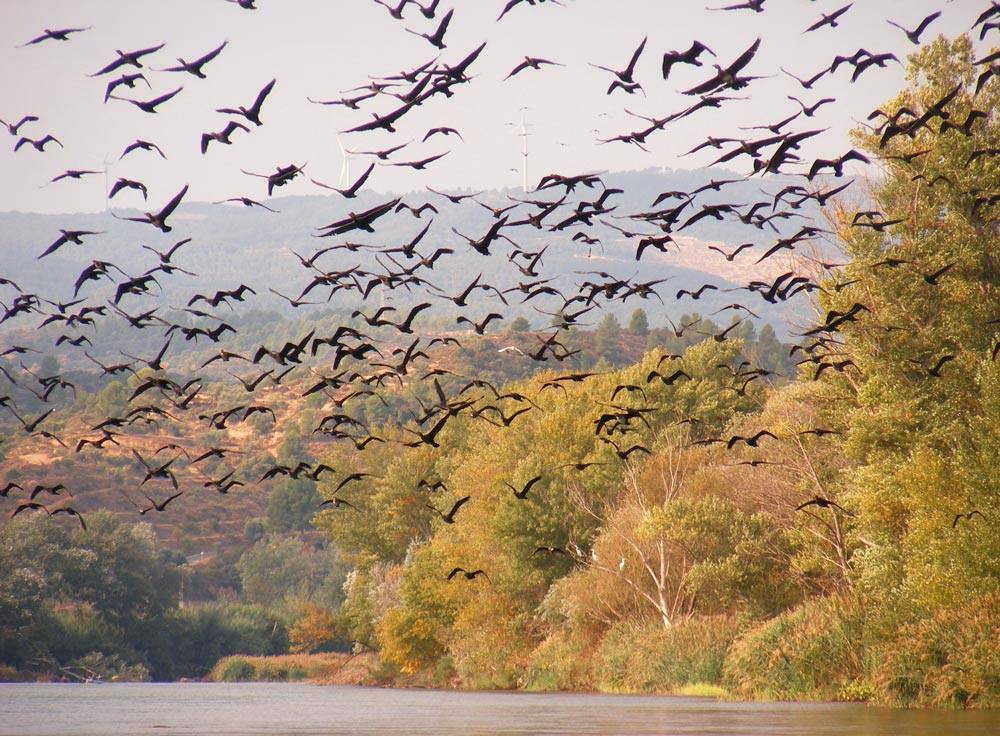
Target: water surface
{"x": 293, "y": 709}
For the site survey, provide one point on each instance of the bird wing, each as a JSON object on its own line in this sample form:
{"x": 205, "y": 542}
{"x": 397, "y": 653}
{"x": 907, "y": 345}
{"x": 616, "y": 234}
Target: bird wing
{"x": 262, "y": 95}
{"x": 172, "y": 204}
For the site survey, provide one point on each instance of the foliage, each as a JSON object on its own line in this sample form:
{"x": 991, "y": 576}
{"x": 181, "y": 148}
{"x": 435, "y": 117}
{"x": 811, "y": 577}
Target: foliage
{"x": 277, "y": 570}
{"x": 315, "y": 630}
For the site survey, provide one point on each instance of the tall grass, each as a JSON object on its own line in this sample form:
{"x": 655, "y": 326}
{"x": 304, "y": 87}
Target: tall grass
{"x": 949, "y": 660}
{"x": 281, "y": 668}
{"x": 812, "y": 652}
{"x": 651, "y": 658}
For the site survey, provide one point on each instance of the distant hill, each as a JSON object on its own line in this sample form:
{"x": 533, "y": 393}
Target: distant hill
{"x": 232, "y": 245}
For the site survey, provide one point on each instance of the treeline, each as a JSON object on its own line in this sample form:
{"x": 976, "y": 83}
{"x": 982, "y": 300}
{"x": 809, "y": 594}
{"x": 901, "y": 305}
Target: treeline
{"x": 111, "y": 603}
{"x": 833, "y": 537}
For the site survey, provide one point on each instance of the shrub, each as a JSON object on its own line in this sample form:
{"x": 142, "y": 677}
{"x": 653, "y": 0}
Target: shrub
{"x": 810, "y": 652}
{"x": 237, "y": 669}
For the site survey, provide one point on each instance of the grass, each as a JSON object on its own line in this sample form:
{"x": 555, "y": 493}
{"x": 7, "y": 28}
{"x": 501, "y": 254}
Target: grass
{"x": 702, "y": 690}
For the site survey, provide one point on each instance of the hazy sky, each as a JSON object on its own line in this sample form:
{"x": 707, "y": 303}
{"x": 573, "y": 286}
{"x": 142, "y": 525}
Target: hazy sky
{"x": 319, "y": 48}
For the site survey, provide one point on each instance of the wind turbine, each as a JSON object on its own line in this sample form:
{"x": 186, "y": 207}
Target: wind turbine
{"x": 345, "y": 167}
{"x": 107, "y": 180}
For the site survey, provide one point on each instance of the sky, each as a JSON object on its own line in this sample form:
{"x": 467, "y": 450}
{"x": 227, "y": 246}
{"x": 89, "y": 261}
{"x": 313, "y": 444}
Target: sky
{"x": 320, "y": 48}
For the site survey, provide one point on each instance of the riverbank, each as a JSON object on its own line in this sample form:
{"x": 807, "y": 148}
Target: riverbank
{"x": 366, "y": 670}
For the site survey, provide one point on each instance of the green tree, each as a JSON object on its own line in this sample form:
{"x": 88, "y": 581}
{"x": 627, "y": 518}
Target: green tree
{"x": 291, "y": 506}
{"x": 638, "y": 323}
{"x": 924, "y": 440}
{"x": 607, "y": 339}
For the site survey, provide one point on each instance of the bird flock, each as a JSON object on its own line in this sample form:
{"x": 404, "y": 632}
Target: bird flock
{"x": 382, "y": 348}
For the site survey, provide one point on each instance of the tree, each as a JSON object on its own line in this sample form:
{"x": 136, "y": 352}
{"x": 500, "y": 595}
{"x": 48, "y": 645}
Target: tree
{"x": 638, "y": 324}
{"x": 315, "y": 630}
{"x": 923, "y": 434}
{"x": 520, "y": 324}
{"x": 291, "y": 506}
{"x": 607, "y": 337}
{"x": 254, "y": 530}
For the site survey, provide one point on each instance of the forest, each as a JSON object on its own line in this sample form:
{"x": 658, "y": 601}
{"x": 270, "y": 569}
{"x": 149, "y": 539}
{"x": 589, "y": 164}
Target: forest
{"x": 821, "y": 525}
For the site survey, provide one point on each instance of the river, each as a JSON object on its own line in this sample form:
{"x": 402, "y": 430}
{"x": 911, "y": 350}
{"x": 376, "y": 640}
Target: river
{"x": 291, "y": 709}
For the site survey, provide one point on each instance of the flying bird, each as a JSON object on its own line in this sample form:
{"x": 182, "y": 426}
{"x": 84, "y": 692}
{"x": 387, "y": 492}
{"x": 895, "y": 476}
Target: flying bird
{"x": 159, "y": 219}
{"x": 914, "y": 35}
{"x": 195, "y": 67}
{"x": 251, "y": 113}
{"x": 449, "y": 518}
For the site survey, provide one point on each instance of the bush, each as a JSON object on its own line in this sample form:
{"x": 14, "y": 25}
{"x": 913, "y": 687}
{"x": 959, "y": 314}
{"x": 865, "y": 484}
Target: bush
{"x": 237, "y": 669}
{"x": 651, "y": 658}
{"x": 561, "y": 662}
{"x": 807, "y": 653}
{"x": 951, "y": 659}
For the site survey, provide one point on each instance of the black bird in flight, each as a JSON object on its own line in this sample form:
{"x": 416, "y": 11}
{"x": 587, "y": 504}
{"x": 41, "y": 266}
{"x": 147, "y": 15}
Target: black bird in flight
{"x": 68, "y": 236}
{"x": 437, "y": 38}
{"x": 141, "y": 145}
{"x": 39, "y": 144}
{"x": 12, "y": 128}
{"x": 281, "y": 176}
{"x": 159, "y": 219}
{"x": 222, "y": 136}
{"x": 823, "y": 503}
{"x": 421, "y": 164}
{"x": 935, "y": 370}
{"x": 247, "y": 202}
{"x": 829, "y": 19}
{"x": 523, "y": 493}
{"x": 195, "y": 67}
{"x": 967, "y": 516}
{"x": 128, "y": 80}
{"x": 351, "y": 191}
{"x": 914, "y": 35}
{"x": 684, "y": 57}
{"x": 159, "y": 506}
{"x": 71, "y": 512}
{"x": 726, "y": 77}
{"x": 149, "y": 106}
{"x": 625, "y": 76}
{"x": 251, "y": 113}
{"x": 467, "y": 574}
{"x": 530, "y": 62}
{"x": 396, "y": 12}
{"x": 337, "y": 503}
{"x": 123, "y": 183}
{"x": 511, "y": 4}
{"x": 61, "y": 34}
{"x": 449, "y": 518}
{"x": 131, "y": 58}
